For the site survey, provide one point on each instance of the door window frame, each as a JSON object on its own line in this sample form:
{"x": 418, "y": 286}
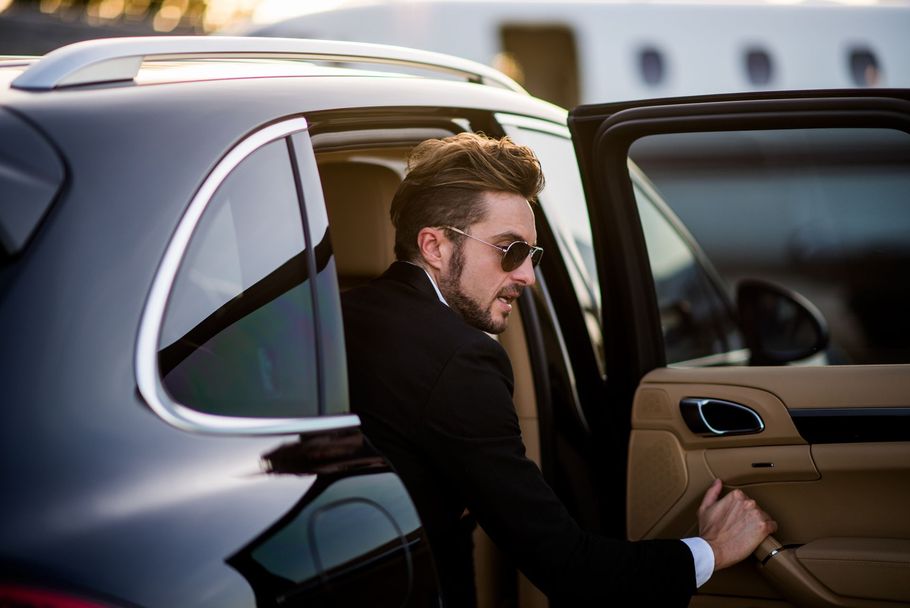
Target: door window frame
{"x": 603, "y": 135}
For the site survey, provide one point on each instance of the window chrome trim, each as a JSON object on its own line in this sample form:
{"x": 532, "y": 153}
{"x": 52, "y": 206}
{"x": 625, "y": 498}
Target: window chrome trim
{"x": 146, "y": 360}
{"x": 535, "y": 124}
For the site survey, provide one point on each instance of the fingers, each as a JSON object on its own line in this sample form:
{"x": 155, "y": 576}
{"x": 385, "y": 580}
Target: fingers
{"x": 711, "y": 495}
{"x": 733, "y": 525}
{"x": 770, "y": 526}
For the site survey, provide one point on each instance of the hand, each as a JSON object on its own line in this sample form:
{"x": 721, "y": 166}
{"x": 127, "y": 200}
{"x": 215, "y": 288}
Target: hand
{"x": 733, "y": 526}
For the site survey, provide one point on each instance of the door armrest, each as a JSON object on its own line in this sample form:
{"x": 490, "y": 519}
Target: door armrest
{"x": 872, "y": 568}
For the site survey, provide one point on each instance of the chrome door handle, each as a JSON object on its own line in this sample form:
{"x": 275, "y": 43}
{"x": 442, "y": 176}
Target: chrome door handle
{"x": 718, "y": 418}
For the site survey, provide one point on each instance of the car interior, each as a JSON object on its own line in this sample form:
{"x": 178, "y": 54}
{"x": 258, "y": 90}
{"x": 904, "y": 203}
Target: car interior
{"x": 360, "y": 172}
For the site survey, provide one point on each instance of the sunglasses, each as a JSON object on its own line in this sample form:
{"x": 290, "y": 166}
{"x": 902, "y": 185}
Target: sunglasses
{"x": 513, "y": 255}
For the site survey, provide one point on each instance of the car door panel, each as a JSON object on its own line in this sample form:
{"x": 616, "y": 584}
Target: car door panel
{"x": 832, "y": 461}
{"x": 835, "y": 470}
{"x": 845, "y": 503}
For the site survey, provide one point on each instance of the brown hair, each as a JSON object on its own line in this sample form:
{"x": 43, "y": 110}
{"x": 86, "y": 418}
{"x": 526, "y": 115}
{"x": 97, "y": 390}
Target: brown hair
{"x": 446, "y": 178}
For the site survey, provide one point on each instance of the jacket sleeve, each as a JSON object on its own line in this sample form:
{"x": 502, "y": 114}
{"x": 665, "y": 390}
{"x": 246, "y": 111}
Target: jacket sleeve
{"x": 472, "y": 434}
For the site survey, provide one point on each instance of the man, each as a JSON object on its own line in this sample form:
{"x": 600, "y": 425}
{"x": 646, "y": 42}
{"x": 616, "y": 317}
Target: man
{"x": 434, "y": 392}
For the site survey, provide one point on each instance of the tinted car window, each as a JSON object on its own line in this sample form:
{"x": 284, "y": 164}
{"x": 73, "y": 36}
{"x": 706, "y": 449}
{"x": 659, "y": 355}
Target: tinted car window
{"x": 328, "y": 318}
{"x": 695, "y": 320}
{"x": 238, "y": 335}
{"x": 823, "y": 212}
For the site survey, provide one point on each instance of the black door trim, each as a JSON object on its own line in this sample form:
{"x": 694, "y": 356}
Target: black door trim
{"x": 853, "y": 425}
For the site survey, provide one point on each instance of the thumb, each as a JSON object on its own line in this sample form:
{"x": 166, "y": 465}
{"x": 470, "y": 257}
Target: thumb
{"x": 711, "y": 495}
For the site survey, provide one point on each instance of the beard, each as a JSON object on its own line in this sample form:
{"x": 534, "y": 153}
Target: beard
{"x": 467, "y": 307}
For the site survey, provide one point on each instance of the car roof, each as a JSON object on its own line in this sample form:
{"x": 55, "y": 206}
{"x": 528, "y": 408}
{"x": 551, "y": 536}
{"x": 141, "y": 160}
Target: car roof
{"x": 93, "y": 110}
{"x": 363, "y": 75}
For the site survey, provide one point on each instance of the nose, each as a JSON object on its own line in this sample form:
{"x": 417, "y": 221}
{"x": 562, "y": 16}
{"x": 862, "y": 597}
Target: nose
{"x": 524, "y": 274}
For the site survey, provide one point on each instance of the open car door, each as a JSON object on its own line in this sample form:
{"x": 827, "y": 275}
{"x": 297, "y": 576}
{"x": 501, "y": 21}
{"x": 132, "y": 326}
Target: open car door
{"x": 825, "y": 449}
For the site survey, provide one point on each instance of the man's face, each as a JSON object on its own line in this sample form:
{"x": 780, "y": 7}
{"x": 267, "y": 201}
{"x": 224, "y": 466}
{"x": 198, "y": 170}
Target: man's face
{"x": 473, "y": 281}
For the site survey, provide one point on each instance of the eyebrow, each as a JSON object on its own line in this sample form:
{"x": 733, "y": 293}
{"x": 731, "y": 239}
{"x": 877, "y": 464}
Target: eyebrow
{"x": 512, "y": 236}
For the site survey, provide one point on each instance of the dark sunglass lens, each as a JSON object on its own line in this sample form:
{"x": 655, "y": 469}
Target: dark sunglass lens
{"x": 515, "y": 255}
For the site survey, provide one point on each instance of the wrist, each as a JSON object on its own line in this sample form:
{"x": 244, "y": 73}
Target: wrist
{"x": 719, "y": 559}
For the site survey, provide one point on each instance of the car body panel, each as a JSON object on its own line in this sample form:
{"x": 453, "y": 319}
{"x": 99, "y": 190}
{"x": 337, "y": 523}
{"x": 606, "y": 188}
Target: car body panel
{"x": 106, "y": 499}
{"x": 32, "y": 174}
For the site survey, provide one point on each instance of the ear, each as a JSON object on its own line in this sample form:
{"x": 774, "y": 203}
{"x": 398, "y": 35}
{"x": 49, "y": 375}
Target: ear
{"x": 434, "y": 247}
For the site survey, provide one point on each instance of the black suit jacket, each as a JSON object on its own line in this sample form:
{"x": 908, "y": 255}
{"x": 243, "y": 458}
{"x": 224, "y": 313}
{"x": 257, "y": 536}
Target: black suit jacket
{"x": 435, "y": 396}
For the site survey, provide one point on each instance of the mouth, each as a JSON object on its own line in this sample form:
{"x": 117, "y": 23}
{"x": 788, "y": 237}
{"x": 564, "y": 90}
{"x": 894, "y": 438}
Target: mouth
{"x": 507, "y": 297}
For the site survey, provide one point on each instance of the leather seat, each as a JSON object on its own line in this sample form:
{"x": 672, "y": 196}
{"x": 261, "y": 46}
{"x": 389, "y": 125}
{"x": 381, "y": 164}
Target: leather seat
{"x": 358, "y": 196}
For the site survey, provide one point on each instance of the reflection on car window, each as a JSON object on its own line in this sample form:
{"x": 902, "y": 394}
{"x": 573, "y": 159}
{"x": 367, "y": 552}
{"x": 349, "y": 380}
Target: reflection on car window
{"x": 823, "y": 212}
{"x": 238, "y": 336}
{"x": 695, "y": 320}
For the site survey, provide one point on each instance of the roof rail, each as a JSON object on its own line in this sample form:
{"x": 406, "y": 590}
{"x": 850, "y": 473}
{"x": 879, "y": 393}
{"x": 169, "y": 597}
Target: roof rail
{"x": 119, "y": 59}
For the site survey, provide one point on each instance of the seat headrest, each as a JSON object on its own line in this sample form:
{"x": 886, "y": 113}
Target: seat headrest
{"x": 358, "y": 196}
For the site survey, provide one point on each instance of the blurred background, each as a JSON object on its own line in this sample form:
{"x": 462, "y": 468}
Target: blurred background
{"x": 828, "y": 219}
{"x": 567, "y": 52}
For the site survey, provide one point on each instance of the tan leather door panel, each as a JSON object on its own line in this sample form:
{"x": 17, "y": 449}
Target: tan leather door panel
{"x": 845, "y": 504}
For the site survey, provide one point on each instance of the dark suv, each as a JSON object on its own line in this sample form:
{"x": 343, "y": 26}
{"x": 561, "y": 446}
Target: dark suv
{"x": 177, "y": 218}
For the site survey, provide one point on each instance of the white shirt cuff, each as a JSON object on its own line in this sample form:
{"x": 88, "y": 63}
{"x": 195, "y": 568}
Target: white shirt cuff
{"x": 703, "y": 555}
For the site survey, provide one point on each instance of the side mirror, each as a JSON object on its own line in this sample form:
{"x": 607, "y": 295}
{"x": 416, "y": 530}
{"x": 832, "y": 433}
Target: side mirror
{"x": 779, "y": 325}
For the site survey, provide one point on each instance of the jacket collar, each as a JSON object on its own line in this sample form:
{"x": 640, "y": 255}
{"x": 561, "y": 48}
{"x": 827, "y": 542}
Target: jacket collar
{"x": 413, "y": 276}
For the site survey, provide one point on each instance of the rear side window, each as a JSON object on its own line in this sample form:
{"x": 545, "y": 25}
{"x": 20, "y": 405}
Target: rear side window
{"x": 238, "y": 336}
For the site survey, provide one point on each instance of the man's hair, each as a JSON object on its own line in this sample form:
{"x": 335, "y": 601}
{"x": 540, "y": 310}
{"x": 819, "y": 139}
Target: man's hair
{"x": 446, "y": 179}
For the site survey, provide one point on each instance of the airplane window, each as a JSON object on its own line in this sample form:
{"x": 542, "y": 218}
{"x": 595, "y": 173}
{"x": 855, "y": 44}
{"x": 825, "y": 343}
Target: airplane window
{"x": 759, "y": 66}
{"x": 864, "y": 68}
{"x": 651, "y": 63}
